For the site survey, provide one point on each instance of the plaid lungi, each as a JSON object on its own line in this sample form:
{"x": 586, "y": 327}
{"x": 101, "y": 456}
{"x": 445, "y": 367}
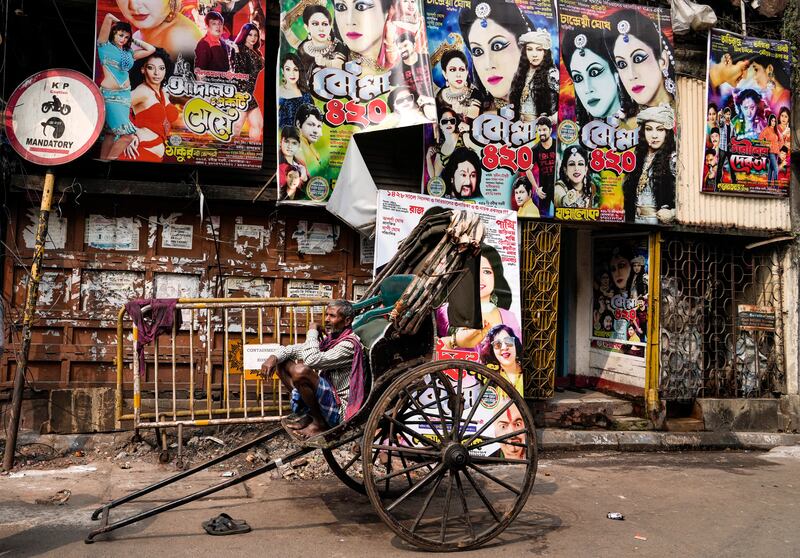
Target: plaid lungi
{"x": 327, "y": 399}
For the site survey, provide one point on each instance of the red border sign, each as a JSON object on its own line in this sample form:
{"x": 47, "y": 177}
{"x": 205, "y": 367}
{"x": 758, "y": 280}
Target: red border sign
{"x": 74, "y": 152}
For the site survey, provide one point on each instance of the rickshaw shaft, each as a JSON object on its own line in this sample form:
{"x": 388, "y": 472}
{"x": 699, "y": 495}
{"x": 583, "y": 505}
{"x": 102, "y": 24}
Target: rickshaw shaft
{"x": 273, "y": 464}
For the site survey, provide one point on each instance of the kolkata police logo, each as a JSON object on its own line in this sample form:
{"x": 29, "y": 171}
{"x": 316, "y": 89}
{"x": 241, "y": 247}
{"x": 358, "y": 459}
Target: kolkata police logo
{"x": 436, "y": 187}
{"x": 317, "y": 189}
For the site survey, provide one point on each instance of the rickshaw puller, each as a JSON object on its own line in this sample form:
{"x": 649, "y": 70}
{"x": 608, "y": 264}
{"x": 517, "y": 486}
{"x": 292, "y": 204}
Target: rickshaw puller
{"x": 327, "y": 377}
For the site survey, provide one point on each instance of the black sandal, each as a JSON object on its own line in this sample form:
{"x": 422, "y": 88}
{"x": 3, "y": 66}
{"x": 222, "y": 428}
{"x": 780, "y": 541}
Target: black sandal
{"x": 224, "y": 524}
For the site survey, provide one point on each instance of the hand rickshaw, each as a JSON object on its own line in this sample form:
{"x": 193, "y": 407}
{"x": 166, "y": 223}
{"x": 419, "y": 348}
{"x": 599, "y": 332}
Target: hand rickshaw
{"x": 444, "y": 450}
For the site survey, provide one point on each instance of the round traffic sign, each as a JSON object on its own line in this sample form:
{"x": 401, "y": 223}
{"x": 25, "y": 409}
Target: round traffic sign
{"x": 54, "y": 117}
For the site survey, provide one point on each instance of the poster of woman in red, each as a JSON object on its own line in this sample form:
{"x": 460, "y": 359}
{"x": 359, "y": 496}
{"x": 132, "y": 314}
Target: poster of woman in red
{"x": 182, "y": 81}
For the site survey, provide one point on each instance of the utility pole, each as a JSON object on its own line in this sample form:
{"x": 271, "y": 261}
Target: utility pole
{"x": 30, "y": 309}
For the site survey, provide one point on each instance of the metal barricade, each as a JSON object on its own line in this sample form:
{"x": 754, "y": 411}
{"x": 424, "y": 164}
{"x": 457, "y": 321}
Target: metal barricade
{"x": 205, "y": 382}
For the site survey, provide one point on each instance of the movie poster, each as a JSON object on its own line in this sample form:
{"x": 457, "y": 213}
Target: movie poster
{"x": 616, "y": 134}
{"x": 495, "y": 74}
{"x": 499, "y": 344}
{"x": 748, "y": 116}
{"x": 345, "y": 67}
{"x": 182, "y": 81}
{"x": 399, "y": 213}
{"x": 619, "y": 314}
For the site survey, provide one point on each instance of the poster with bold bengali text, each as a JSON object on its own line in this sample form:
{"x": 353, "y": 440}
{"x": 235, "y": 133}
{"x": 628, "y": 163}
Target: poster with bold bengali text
{"x": 345, "y": 66}
{"x": 495, "y": 74}
{"x": 617, "y": 156}
{"x": 498, "y": 344}
{"x": 182, "y": 82}
{"x": 620, "y": 294}
{"x": 748, "y": 143}
{"x": 399, "y": 213}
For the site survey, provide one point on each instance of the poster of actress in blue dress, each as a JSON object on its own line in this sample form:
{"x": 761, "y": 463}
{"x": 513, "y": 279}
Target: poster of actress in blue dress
{"x": 620, "y": 294}
{"x": 616, "y": 135}
{"x": 346, "y": 66}
{"x": 495, "y": 76}
{"x": 182, "y": 81}
{"x": 748, "y": 116}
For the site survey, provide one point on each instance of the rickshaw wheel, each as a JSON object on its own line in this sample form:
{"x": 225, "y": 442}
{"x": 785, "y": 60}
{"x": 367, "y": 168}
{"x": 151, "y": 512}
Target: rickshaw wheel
{"x": 454, "y": 496}
{"x": 344, "y": 461}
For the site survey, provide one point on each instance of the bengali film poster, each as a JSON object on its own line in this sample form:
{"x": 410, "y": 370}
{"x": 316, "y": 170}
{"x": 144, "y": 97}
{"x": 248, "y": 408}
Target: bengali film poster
{"x": 748, "y": 116}
{"x": 616, "y": 134}
{"x": 620, "y": 294}
{"x": 495, "y": 75}
{"x": 399, "y": 213}
{"x": 499, "y": 344}
{"x": 345, "y": 66}
{"x": 182, "y": 81}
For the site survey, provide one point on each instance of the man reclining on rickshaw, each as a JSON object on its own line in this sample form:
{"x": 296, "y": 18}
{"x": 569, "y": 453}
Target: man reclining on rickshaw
{"x": 326, "y": 377}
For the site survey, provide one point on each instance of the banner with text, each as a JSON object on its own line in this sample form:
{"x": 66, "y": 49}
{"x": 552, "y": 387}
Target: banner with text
{"x": 616, "y": 134}
{"x": 748, "y": 116}
{"x": 345, "y": 67}
{"x": 495, "y": 74}
{"x": 182, "y": 83}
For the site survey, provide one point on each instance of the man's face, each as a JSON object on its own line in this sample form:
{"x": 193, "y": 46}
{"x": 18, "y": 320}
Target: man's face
{"x": 311, "y": 129}
{"x": 543, "y": 132}
{"x": 334, "y": 321}
{"x": 215, "y": 28}
{"x": 405, "y": 47}
{"x": 465, "y": 179}
{"x": 727, "y": 118}
{"x": 715, "y": 140}
{"x": 511, "y": 421}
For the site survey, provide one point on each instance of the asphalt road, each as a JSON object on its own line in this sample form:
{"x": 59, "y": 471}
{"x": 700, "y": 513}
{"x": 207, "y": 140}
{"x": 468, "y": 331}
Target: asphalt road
{"x": 701, "y": 504}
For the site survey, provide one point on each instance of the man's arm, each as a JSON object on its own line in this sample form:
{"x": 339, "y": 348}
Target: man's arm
{"x": 336, "y": 357}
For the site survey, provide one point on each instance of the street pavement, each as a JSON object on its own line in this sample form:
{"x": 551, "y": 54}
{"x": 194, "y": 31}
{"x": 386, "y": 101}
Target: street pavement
{"x": 726, "y": 504}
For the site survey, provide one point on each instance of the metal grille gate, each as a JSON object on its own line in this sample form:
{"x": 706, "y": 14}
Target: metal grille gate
{"x": 541, "y": 250}
{"x": 704, "y": 351}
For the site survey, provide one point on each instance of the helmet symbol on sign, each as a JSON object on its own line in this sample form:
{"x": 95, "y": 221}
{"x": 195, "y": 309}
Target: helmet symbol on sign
{"x": 57, "y": 124}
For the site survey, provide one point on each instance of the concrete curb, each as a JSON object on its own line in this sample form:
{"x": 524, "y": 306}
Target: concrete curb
{"x": 547, "y": 438}
{"x": 581, "y": 440}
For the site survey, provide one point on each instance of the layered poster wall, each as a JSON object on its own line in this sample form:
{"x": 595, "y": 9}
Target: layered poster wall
{"x": 748, "y": 116}
{"x": 495, "y": 74}
{"x": 345, "y": 66}
{"x": 620, "y": 294}
{"x": 182, "y": 81}
{"x": 616, "y": 136}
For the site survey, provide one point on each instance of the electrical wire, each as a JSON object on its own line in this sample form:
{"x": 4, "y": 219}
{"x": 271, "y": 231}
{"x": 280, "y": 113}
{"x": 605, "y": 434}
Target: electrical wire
{"x": 66, "y": 28}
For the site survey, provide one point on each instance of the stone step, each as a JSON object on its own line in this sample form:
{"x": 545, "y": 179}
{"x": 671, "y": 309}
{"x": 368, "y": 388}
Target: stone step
{"x": 685, "y": 424}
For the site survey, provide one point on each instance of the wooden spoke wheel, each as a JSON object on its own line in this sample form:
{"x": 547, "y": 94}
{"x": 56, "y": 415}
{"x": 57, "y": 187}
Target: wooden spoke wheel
{"x": 457, "y": 452}
{"x": 345, "y": 461}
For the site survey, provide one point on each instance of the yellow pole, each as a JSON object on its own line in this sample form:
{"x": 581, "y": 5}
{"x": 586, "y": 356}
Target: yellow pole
{"x": 27, "y": 319}
{"x": 653, "y": 334}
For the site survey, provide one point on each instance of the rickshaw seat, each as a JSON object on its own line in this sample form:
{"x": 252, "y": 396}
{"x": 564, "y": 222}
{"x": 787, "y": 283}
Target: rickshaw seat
{"x": 390, "y": 291}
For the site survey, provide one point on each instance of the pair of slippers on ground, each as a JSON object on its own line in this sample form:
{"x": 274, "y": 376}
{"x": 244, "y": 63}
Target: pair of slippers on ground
{"x": 224, "y": 524}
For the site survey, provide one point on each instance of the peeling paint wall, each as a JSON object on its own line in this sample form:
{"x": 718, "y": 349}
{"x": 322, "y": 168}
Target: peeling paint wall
{"x": 105, "y": 252}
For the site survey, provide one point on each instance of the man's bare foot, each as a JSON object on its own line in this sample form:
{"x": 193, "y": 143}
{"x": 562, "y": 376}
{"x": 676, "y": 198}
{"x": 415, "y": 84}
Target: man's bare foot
{"x": 311, "y": 430}
{"x": 300, "y": 423}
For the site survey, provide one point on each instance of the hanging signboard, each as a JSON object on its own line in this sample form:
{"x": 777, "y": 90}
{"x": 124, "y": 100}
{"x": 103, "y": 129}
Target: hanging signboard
{"x": 356, "y": 68}
{"x": 619, "y": 313}
{"x": 54, "y": 117}
{"x": 495, "y": 72}
{"x": 182, "y": 82}
{"x": 616, "y": 134}
{"x": 748, "y": 116}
